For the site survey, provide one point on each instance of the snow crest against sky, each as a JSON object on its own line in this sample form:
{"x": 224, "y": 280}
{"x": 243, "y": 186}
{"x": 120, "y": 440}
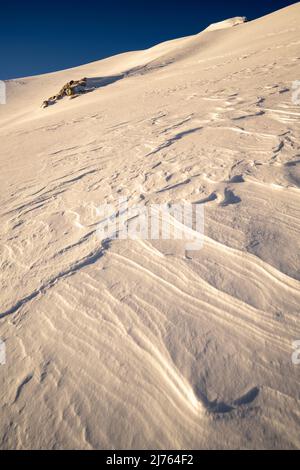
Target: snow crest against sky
{"x": 38, "y": 37}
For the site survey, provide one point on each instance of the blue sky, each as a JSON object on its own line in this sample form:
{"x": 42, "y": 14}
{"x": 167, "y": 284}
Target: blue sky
{"x": 38, "y": 37}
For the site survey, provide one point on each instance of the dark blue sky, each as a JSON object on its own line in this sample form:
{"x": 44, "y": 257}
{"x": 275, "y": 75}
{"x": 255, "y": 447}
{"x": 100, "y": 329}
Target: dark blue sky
{"x": 44, "y": 36}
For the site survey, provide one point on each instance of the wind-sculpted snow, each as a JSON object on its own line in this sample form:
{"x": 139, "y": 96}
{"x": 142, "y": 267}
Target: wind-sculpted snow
{"x": 144, "y": 343}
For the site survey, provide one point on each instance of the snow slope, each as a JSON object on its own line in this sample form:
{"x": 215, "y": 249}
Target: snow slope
{"x": 137, "y": 343}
